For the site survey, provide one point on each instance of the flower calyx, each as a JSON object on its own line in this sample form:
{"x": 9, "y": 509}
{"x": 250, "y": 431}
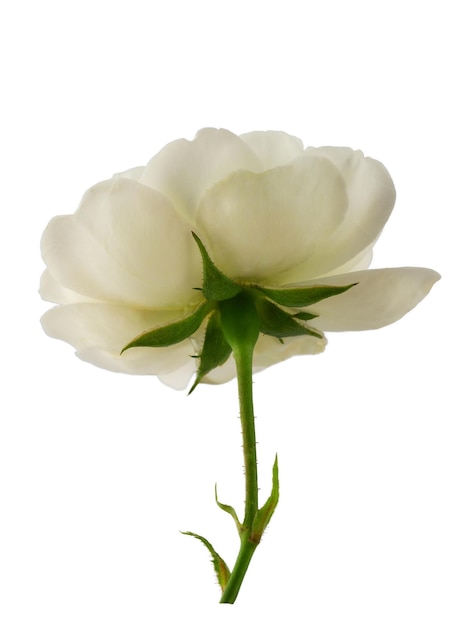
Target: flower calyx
{"x": 235, "y": 314}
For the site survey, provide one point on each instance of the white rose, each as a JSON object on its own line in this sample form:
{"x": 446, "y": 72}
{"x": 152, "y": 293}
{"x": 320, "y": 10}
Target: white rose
{"x": 268, "y": 211}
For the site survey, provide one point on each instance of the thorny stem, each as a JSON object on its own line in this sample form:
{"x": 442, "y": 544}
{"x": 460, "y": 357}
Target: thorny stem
{"x": 244, "y": 361}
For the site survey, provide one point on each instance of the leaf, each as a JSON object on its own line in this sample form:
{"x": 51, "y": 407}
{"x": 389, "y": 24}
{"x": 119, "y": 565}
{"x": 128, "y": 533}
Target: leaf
{"x": 164, "y": 336}
{"x": 221, "y": 570}
{"x": 264, "y": 515}
{"x": 215, "y": 285}
{"x": 230, "y": 510}
{"x": 215, "y": 350}
{"x": 278, "y": 323}
{"x": 303, "y": 296}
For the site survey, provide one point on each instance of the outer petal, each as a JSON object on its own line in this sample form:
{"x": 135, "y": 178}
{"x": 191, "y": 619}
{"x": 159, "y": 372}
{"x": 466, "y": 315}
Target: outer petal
{"x": 183, "y": 170}
{"x": 259, "y": 225}
{"x": 381, "y": 297}
{"x": 360, "y": 262}
{"x": 371, "y": 196}
{"x": 99, "y": 331}
{"x": 269, "y": 351}
{"x": 273, "y": 148}
{"x": 135, "y": 173}
{"x": 125, "y": 244}
{"x": 51, "y": 291}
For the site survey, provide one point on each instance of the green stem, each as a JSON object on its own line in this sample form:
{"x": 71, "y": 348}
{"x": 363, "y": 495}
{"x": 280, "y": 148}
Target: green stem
{"x": 247, "y": 419}
{"x": 244, "y": 361}
{"x": 245, "y": 553}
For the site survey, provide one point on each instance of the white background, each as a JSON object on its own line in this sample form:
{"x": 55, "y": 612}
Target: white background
{"x": 99, "y": 471}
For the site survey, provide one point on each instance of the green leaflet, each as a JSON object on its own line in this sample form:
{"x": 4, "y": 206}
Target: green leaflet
{"x": 278, "y": 323}
{"x": 264, "y": 514}
{"x": 221, "y": 570}
{"x": 215, "y": 350}
{"x": 302, "y": 296}
{"x": 164, "y": 336}
{"x": 215, "y": 285}
{"x": 230, "y": 510}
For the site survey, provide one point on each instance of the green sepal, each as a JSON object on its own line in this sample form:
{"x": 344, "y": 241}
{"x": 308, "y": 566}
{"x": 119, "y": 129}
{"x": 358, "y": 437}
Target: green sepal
{"x": 164, "y": 336}
{"x": 264, "y": 514}
{"x": 215, "y": 284}
{"x": 215, "y": 350}
{"x": 304, "y": 316}
{"x": 221, "y": 570}
{"x": 277, "y": 323}
{"x": 230, "y": 510}
{"x": 303, "y": 296}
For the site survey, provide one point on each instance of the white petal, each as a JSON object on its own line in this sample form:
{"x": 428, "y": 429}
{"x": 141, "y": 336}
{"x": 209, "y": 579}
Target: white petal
{"x": 381, "y": 297}
{"x": 99, "y": 331}
{"x": 371, "y": 196}
{"x": 183, "y": 170}
{"x": 52, "y": 291}
{"x": 124, "y": 244}
{"x": 360, "y": 262}
{"x": 273, "y": 148}
{"x": 259, "y": 225}
{"x": 135, "y": 173}
{"x": 179, "y": 378}
{"x": 269, "y": 351}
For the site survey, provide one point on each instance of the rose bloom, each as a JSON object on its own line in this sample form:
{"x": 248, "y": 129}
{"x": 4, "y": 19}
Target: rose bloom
{"x": 268, "y": 212}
